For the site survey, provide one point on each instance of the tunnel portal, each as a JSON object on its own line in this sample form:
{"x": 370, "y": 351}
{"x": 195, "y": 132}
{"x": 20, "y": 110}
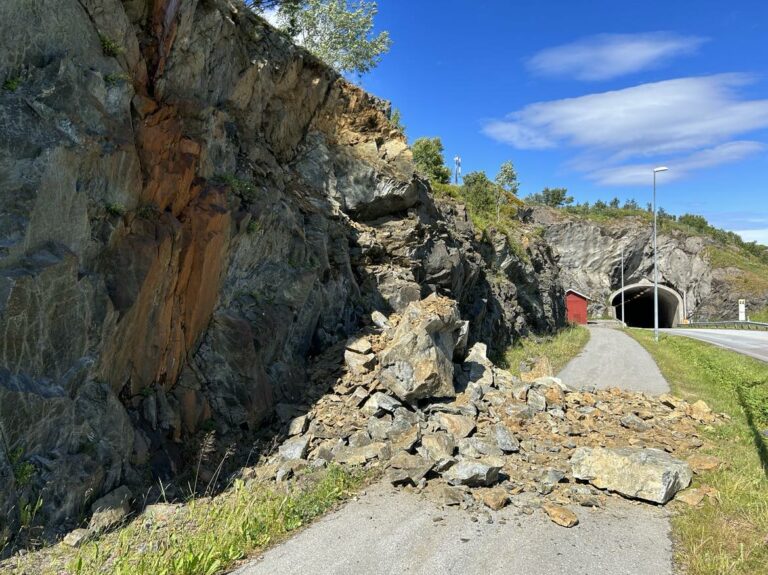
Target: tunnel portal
{"x": 638, "y": 306}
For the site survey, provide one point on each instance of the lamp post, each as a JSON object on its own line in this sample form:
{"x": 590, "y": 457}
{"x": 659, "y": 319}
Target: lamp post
{"x": 655, "y": 260}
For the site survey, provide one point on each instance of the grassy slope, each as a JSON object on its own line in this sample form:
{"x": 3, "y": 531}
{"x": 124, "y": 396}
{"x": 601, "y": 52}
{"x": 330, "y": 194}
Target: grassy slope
{"x": 731, "y": 534}
{"x": 209, "y": 534}
{"x": 754, "y": 277}
{"x": 559, "y": 349}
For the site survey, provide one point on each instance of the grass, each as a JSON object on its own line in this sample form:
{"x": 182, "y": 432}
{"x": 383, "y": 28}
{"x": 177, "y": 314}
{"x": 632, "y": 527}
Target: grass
{"x": 12, "y": 84}
{"x": 760, "y": 315}
{"x": 730, "y": 534}
{"x": 207, "y": 535}
{"x": 109, "y": 47}
{"x": 559, "y": 349}
{"x": 753, "y": 278}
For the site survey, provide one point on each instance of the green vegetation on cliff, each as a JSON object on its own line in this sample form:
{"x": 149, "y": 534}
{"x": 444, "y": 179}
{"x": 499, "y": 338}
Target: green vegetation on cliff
{"x": 726, "y": 534}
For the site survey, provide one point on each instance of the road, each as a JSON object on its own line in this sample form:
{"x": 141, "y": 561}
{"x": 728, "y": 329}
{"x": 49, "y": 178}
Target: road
{"x": 389, "y": 532}
{"x": 751, "y": 343}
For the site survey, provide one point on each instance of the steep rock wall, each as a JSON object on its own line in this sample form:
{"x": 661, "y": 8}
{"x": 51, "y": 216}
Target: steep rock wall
{"x": 589, "y": 254}
{"x": 192, "y": 207}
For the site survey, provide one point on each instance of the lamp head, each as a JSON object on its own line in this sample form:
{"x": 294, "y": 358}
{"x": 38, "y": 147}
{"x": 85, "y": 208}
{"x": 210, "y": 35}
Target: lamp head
{"x": 660, "y": 169}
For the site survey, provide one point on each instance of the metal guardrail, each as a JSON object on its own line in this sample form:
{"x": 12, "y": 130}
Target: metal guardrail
{"x": 754, "y": 325}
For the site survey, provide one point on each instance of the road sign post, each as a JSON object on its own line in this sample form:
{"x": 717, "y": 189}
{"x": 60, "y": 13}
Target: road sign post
{"x": 742, "y": 310}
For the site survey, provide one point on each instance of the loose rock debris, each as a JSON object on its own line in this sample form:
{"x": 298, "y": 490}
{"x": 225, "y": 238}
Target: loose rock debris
{"x": 463, "y": 432}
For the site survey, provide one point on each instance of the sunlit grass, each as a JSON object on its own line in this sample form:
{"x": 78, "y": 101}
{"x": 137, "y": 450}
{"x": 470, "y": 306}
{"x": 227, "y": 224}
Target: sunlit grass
{"x": 729, "y": 534}
{"x": 206, "y": 536}
{"x": 559, "y": 349}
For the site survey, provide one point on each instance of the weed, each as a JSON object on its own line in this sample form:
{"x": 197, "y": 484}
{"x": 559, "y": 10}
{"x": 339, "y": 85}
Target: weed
{"x": 22, "y": 470}
{"x": 115, "y": 78}
{"x": 148, "y": 212}
{"x": 28, "y": 512}
{"x": 116, "y": 210}
{"x": 253, "y": 227}
{"x": 109, "y": 47}
{"x": 12, "y": 84}
{"x": 242, "y": 188}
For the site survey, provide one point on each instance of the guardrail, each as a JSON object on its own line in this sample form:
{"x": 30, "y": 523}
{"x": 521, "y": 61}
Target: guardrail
{"x": 754, "y": 325}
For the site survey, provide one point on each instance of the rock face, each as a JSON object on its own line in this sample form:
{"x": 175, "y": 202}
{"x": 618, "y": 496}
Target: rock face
{"x": 191, "y": 207}
{"x": 589, "y": 254}
{"x": 648, "y": 474}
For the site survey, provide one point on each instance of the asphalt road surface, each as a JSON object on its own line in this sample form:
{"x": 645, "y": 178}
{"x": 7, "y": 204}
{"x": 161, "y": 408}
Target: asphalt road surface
{"x": 613, "y": 359}
{"x": 751, "y": 343}
{"x": 388, "y": 532}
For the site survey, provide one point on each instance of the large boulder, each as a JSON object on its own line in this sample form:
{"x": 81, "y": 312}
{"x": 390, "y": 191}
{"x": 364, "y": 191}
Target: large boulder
{"x": 419, "y": 362}
{"x": 648, "y": 474}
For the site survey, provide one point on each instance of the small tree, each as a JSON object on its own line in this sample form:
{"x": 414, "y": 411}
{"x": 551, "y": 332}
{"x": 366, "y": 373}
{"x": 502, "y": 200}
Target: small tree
{"x": 396, "y": 119}
{"x": 428, "y": 157}
{"x": 696, "y": 222}
{"x": 480, "y": 192}
{"x": 506, "y": 181}
{"x": 615, "y": 203}
{"x": 339, "y": 32}
{"x": 553, "y": 197}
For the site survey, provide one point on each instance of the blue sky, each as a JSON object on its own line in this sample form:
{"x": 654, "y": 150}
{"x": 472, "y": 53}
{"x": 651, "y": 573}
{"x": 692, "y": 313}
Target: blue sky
{"x": 591, "y": 95}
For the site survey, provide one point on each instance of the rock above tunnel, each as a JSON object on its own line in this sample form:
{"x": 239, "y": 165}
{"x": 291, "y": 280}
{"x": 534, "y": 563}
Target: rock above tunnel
{"x": 647, "y": 474}
{"x": 419, "y": 361}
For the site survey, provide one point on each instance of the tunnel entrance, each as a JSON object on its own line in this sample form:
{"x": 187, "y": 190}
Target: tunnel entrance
{"x": 638, "y": 306}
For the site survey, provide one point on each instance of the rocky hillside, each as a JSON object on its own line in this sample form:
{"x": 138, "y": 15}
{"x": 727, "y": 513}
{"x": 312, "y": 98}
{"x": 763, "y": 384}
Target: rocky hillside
{"x": 712, "y": 275}
{"x": 191, "y": 208}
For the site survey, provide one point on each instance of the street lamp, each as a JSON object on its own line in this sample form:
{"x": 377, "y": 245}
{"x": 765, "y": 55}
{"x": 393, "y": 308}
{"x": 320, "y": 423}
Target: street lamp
{"x": 656, "y": 260}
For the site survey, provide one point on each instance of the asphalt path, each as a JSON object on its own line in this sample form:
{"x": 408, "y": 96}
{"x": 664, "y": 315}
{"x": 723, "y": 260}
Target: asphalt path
{"x": 394, "y": 532}
{"x": 751, "y": 343}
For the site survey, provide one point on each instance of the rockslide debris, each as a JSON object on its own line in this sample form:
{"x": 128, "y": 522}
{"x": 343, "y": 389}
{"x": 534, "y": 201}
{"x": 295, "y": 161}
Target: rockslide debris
{"x": 465, "y": 432}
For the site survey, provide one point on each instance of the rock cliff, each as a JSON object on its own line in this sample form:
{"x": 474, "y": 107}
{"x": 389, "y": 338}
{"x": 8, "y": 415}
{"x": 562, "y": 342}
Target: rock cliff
{"x": 191, "y": 208}
{"x": 589, "y": 255}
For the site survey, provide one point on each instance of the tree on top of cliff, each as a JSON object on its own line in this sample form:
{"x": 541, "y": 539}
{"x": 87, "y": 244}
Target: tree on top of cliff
{"x": 554, "y": 197}
{"x": 339, "y": 32}
{"x": 429, "y": 160}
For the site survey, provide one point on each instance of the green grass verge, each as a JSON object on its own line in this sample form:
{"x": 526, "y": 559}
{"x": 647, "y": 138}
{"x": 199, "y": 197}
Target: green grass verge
{"x": 559, "y": 349}
{"x": 760, "y": 315}
{"x": 729, "y": 535}
{"x": 207, "y": 535}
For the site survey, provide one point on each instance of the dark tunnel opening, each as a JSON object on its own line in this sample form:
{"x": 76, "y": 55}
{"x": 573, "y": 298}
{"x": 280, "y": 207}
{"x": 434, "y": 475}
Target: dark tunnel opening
{"x": 638, "y": 306}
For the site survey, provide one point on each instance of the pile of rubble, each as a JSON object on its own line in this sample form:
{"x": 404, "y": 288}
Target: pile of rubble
{"x": 444, "y": 421}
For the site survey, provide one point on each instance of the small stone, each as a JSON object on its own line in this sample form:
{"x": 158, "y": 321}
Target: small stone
{"x": 360, "y": 345}
{"x": 110, "y": 510}
{"x": 445, "y": 495}
{"x": 408, "y": 469}
{"x": 703, "y": 463}
{"x": 298, "y": 425}
{"x": 506, "y": 441}
{"x": 380, "y": 403}
{"x": 560, "y": 515}
{"x": 77, "y": 537}
{"x": 536, "y": 400}
{"x": 294, "y": 448}
{"x": 459, "y": 426}
{"x": 472, "y": 474}
{"x": 634, "y": 423}
{"x": 494, "y": 498}
{"x": 438, "y": 446}
{"x": 359, "y": 364}
{"x": 692, "y": 497}
{"x": 700, "y": 410}
{"x": 380, "y": 320}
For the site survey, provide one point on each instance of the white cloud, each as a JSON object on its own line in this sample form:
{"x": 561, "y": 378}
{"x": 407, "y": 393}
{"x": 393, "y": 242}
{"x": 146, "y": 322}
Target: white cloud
{"x": 759, "y": 236}
{"x": 608, "y": 56}
{"x": 639, "y": 174}
{"x": 662, "y": 117}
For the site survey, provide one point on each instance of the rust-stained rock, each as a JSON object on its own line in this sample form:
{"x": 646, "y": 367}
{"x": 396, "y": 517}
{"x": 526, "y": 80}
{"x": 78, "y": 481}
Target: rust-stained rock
{"x": 560, "y": 515}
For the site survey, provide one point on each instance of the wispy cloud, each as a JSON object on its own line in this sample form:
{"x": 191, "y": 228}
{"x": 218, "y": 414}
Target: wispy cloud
{"x": 759, "y": 236}
{"x": 696, "y": 122}
{"x": 639, "y": 174}
{"x": 607, "y": 56}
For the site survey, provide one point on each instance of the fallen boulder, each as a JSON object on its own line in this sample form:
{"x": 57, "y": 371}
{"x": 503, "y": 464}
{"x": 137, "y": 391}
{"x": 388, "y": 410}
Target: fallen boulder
{"x": 648, "y": 474}
{"x": 418, "y": 364}
{"x": 472, "y": 474}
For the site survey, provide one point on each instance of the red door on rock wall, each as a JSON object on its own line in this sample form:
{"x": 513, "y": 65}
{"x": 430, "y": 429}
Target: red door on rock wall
{"x": 576, "y": 306}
